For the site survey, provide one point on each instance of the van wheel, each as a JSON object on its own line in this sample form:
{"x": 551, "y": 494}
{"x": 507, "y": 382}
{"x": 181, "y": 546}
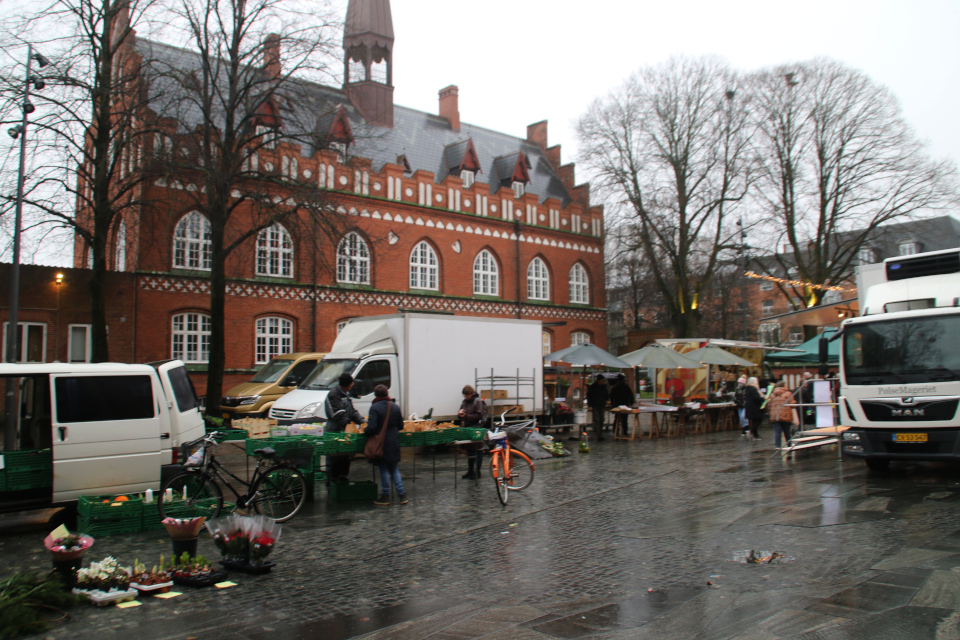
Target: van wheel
{"x": 875, "y": 464}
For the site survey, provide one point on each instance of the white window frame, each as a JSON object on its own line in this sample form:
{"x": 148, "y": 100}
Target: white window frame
{"x": 275, "y": 252}
{"x": 832, "y": 296}
{"x": 192, "y": 242}
{"x": 273, "y": 337}
{"x": 424, "y": 267}
{"x": 87, "y": 343}
{"x": 866, "y": 256}
{"x": 766, "y": 285}
{"x": 908, "y": 248}
{"x": 579, "y": 285}
{"x": 197, "y": 334}
{"x": 341, "y": 149}
{"x": 353, "y": 260}
{"x": 23, "y": 340}
{"x": 486, "y": 275}
{"x": 546, "y": 340}
{"x": 795, "y": 338}
{"x": 538, "y": 280}
{"x": 766, "y": 307}
{"x": 579, "y": 337}
{"x": 468, "y": 177}
{"x": 269, "y": 136}
{"x": 769, "y": 333}
{"x": 519, "y": 189}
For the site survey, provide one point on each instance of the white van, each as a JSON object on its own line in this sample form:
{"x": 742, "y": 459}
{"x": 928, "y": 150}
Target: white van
{"x": 112, "y": 428}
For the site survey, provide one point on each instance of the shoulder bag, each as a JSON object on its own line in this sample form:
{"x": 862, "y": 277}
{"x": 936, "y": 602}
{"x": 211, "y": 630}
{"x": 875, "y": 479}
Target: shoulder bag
{"x": 374, "y": 448}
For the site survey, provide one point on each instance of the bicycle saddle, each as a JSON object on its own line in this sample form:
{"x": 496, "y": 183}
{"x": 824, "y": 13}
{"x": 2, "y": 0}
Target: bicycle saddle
{"x": 266, "y": 452}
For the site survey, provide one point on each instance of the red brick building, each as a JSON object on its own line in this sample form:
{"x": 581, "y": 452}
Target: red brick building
{"x": 436, "y": 215}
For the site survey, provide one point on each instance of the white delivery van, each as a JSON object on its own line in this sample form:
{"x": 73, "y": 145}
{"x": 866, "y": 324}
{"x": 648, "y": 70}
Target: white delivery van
{"x": 424, "y": 359}
{"x": 112, "y": 428}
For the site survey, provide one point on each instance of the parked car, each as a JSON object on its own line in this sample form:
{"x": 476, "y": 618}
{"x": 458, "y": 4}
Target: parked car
{"x": 281, "y": 375}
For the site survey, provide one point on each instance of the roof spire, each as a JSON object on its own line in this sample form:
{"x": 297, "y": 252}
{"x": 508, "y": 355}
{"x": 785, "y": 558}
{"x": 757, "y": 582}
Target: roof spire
{"x": 368, "y": 60}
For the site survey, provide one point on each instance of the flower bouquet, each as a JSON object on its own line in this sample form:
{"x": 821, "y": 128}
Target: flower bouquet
{"x": 105, "y": 582}
{"x": 69, "y": 547}
{"x": 245, "y": 541}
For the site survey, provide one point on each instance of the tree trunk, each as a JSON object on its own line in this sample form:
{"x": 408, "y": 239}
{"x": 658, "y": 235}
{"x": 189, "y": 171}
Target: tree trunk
{"x": 218, "y": 293}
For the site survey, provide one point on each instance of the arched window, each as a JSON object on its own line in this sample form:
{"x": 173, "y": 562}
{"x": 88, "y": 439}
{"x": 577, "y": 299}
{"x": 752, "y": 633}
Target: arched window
{"x": 274, "y": 338}
{"x": 538, "y": 280}
{"x": 424, "y": 267}
{"x": 353, "y": 260}
{"x": 191, "y": 242}
{"x": 191, "y": 337}
{"x": 579, "y": 337}
{"x": 579, "y": 285}
{"x": 275, "y": 252}
{"x": 120, "y": 256}
{"x": 486, "y": 275}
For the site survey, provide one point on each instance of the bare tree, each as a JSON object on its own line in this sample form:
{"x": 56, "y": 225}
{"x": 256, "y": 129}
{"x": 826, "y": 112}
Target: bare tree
{"x": 836, "y": 160}
{"x": 238, "y": 110}
{"x": 669, "y": 149}
{"x": 87, "y": 137}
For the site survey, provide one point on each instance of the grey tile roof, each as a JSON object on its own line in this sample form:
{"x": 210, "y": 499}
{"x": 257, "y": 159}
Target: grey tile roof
{"x": 422, "y": 137}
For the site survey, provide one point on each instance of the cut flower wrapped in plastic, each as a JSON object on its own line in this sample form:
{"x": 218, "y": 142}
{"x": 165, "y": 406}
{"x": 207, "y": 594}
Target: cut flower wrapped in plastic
{"x": 244, "y": 538}
{"x": 183, "y": 528}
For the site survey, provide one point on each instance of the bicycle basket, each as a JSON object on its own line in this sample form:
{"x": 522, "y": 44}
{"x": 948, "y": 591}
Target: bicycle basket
{"x": 187, "y": 449}
{"x": 298, "y": 456}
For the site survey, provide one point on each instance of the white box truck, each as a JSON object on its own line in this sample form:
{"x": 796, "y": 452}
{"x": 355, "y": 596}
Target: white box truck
{"x": 900, "y": 363}
{"x": 424, "y": 359}
{"x": 111, "y": 428}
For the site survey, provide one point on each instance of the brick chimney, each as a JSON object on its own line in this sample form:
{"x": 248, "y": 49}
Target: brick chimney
{"x": 537, "y": 133}
{"x": 450, "y": 106}
{"x": 271, "y": 55}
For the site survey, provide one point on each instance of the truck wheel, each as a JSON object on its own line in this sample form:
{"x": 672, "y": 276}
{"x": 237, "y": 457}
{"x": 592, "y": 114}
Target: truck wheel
{"x": 875, "y": 464}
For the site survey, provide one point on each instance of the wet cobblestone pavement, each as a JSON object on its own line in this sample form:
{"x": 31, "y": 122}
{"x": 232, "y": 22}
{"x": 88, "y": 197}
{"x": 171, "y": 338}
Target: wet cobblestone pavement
{"x": 633, "y": 540}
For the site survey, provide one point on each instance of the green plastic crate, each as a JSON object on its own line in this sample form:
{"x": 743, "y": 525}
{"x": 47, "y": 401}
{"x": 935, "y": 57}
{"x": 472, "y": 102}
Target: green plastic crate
{"x": 473, "y": 433}
{"x": 412, "y": 439}
{"x": 34, "y": 460}
{"x": 351, "y": 491}
{"x": 98, "y": 528}
{"x": 94, "y": 508}
{"x": 233, "y": 434}
{"x": 3, "y": 481}
{"x": 25, "y": 480}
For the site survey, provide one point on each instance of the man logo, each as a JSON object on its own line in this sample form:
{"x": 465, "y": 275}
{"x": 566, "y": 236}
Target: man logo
{"x": 905, "y": 413}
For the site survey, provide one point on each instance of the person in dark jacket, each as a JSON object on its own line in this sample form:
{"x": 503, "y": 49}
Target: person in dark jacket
{"x": 389, "y": 463}
{"x": 597, "y": 395}
{"x": 752, "y": 405}
{"x": 473, "y": 412}
{"x": 621, "y": 395}
{"x": 340, "y": 412}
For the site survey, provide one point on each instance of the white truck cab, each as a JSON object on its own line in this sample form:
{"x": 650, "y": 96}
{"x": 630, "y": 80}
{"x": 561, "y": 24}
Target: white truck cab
{"x": 112, "y": 428}
{"x": 900, "y": 364}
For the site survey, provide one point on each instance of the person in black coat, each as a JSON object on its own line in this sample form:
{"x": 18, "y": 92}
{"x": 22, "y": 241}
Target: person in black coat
{"x": 753, "y": 406}
{"x": 340, "y": 412}
{"x": 621, "y": 395}
{"x": 597, "y": 395}
{"x": 389, "y": 463}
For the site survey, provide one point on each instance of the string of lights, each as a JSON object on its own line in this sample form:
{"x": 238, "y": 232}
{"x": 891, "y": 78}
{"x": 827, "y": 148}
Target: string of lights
{"x": 799, "y": 283}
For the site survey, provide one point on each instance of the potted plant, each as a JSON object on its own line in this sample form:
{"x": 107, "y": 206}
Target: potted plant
{"x": 67, "y": 551}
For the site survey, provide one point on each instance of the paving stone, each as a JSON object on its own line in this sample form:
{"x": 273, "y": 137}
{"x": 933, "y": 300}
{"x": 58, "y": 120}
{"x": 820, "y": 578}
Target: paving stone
{"x": 941, "y": 589}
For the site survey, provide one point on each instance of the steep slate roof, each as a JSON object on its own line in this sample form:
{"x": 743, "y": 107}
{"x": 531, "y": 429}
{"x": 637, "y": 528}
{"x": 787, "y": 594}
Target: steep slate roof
{"x": 422, "y": 137}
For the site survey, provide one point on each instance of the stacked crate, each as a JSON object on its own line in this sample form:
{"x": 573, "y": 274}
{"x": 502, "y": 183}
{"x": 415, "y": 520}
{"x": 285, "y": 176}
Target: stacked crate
{"x": 25, "y": 470}
{"x": 105, "y": 515}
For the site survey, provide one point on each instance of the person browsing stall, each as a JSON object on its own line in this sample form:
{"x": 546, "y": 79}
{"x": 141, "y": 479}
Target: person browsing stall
{"x": 340, "y": 412}
{"x": 753, "y": 406}
{"x": 621, "y": 395}
{"x": 780, "y": 415}
{"x": 597, "y": 395}
{"x": 472, "y": 413}
{"x": 379, "y": 418}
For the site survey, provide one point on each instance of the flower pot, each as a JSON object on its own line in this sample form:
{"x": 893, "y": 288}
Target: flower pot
{"x": 188, "y": 546}
{"x": 67, "y": 570}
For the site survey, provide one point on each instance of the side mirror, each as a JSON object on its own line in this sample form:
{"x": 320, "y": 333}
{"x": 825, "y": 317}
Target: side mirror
{"x": 824, "y": 345}
{"x": 290, "y": 381}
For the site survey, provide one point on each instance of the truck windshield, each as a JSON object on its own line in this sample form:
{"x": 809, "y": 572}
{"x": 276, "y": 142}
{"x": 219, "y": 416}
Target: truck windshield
{"x": 271, "y": 371}
{"x": 901, "y": 351}
{"x": 327, "y": 374}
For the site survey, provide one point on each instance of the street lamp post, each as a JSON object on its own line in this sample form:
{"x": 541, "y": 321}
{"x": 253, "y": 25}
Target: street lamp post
{"x": 13, "y": 332}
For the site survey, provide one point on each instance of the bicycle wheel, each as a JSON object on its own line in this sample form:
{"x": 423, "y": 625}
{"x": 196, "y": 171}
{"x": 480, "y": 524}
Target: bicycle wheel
{"x": 280, "y": 492}
{"x": 203, "y": 497}
{"x": 521, "y": 471}
{"x": 501, "y": 478}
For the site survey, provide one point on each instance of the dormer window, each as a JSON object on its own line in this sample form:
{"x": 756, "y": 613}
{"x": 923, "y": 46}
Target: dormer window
{"x": 341, "y": 149}
{"x": 468, "y": 177}
{"x": 867, "y": 256}
{"x": 908, "y": 248}
{"x": 268, "y": 135}
{"x": 519, "y": 189}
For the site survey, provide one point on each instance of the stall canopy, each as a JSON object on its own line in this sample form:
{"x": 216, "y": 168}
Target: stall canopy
{"x": 587, "y": 355}
{"x": 660, "y": 357}
{"x": 716, "y": 355}
{"x": 809, "y": 352}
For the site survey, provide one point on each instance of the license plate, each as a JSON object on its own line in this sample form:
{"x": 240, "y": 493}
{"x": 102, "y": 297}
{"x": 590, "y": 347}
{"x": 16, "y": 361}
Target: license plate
{"x": 909, "y": 437}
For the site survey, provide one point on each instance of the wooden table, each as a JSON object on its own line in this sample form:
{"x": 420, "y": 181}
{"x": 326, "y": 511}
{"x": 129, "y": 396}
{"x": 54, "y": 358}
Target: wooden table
{"x": 618, "y": 411}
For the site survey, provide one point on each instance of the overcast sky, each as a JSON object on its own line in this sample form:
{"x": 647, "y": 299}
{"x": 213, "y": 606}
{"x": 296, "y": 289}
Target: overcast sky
{"x": 521, "y": 61}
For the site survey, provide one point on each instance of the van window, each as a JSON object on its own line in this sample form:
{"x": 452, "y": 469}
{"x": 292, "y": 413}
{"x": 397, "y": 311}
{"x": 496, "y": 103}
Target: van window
{"x": 372, "y": 374}
{"x": 302, "y": 370}
{"x": 183, "y": 389}
{"x": 104, "y": 398}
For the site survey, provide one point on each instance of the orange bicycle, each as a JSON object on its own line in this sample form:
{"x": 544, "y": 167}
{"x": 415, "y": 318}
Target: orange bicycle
{"x": 511, "y": 469}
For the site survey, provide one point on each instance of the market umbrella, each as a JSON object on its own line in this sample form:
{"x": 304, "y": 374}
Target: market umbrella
{"x": 659, "y": 356}
{"x": 716, "y": 355}
{"x": 587, "y": 355}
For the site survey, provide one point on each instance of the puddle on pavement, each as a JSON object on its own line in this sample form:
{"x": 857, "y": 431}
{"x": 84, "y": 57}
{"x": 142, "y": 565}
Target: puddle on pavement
{"x": 752, "y": 556}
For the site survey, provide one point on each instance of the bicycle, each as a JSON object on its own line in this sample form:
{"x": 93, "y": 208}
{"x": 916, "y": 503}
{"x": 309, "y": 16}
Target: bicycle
{"x": 511, "y": 469}
{"x": 276, "y": 490}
